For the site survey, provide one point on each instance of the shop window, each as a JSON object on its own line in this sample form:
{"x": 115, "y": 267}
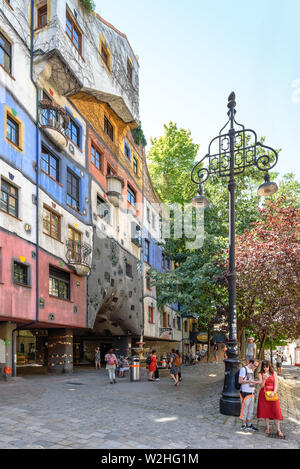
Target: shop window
{"x": 9, "y": 201}
{"x": 51, "y": 223}
{"x": 5, "y": 53}
{"x": 72, "y": 190}
{"x": 59, "y": 283}
{"x": 21, "y": 274}
{"x": 108, "y": 128}
{"x": 73, "y": 33}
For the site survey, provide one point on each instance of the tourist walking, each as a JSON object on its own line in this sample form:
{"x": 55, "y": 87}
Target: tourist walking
{"x": 152, "y": 365}
{"x": 247, "y": 393}
{"x": 175, "y": 363}
{"x": 179, "y": 368}
{"x": 97, "y": 358}
{"x": 111, "y": 364}
{"x": 250, "y": 349}
{"x": 269, "y": 409}
{"x": 279, "y": 362}
{"x": 215, "y": 351}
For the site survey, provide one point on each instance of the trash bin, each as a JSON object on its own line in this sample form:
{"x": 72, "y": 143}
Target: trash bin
{"x": 135, "y": 369}
{"x": 164, "y": 361}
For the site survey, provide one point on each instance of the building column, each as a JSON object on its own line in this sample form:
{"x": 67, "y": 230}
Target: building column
{"x": 60, "y": 350}
{"x": 6, "y": 352}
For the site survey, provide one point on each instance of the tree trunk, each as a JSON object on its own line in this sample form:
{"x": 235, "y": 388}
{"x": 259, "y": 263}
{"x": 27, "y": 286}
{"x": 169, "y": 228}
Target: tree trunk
{"x": 262, "y": 347}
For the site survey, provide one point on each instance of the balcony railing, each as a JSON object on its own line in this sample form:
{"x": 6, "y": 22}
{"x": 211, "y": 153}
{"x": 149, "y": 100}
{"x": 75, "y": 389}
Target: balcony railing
{"x": 55, "y": 120}
{"x": 79, "y": 256}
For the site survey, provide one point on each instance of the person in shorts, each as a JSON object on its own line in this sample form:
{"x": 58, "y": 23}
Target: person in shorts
{"x": 97, "y": 358}
{"x": 247, "y": 393}
{"x": 279, "y": 363}
{"x": 250, "y": 349}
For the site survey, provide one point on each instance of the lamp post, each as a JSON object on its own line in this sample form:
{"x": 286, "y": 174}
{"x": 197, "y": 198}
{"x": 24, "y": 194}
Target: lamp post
{"x": 229, "y": 154}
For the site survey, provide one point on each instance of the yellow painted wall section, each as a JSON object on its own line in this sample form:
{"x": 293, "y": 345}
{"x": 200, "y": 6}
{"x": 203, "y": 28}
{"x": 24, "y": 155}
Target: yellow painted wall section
{"x": 94, "y": 111}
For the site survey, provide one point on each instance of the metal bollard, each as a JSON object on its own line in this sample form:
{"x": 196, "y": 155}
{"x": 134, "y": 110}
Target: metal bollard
{"x": 135, "y": 369}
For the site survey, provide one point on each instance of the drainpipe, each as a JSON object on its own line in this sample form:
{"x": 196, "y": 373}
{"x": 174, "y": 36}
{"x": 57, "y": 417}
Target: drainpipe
{"x": 37, "y": 197}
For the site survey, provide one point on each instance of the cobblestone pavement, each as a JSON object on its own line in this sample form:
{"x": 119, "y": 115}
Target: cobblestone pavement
{"x": 83, "y": 410}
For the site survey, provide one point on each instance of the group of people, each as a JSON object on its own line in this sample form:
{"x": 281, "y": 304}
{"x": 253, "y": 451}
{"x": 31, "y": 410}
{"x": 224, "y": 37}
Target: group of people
{"x": 174, "y": 362}
{"x": 116, "y": 366}
{"x": 268, "y": 404}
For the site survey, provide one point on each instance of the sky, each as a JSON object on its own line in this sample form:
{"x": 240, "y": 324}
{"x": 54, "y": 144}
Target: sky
{"x": 193, "y": 53}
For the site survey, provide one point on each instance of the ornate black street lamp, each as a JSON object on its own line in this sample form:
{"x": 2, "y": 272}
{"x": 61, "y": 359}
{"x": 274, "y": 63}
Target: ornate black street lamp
{"x": 229, "y": 154}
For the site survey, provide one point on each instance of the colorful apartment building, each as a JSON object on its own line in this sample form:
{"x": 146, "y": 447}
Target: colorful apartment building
{"x": 73, "y": 209}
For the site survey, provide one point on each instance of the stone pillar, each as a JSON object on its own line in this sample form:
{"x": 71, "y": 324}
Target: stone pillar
{"x": 60, "y": 350}
{"x": 6, "y": 329}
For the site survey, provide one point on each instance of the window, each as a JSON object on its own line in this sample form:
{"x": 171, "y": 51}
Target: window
{"x": 51, "y": 223}
{"x": 147, "y": 251}
{"x": 165, "y": 324}
{"x": 72, "y": 190}
{"x": 127, "y": 151}
{"x": 151, "y": 314}
{"x": 5, "y": 53}
{"x": 110, "y": 171}
{"x": 9, "y": 198}
{"x": 50, "y": 164}
{"x": 153, "y": 221}
{"x": 73, "y": 132}
{"x": 185, "y": 326}
{"x": 49, "y": 116}
{"x": 12, "y": 130}
{"x": 103, "y": 209}
{"x": 179, "y": 323}
{"x": 74, "y": 245}
{"x": 104, "y": 55}
{"x": 131, "y": 196}
{"x": 148, "y": 214}
{"x": 108, "y": 128}
{"x": 129, "y": 70}
{"x": 129, "y": 270}
{"x": 96, "y": 157}
{"x": 42, "y": 16}
{"x": 135, "y": 165}
{"x": 74, "y": 33}
{"x": 148, "y": 281}
{"x": 164, "y": 260}
{"x": 21, "y": 273}
{"x": 59, "y": 283}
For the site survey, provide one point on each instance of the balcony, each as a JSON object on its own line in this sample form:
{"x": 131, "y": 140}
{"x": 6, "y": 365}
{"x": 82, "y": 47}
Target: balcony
{"x": 54, "y": 121}
{"x": 79, "y": 257}
{"x": 114, "y": 189}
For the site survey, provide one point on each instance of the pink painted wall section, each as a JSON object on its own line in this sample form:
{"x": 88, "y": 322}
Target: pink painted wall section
{"x": 18, "y": 302}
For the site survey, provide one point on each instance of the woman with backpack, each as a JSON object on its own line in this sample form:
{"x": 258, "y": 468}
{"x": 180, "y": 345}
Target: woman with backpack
{"x": 152, "y": 365}
{"x": 111, "y": 364}
{"x": 175, "y": 363}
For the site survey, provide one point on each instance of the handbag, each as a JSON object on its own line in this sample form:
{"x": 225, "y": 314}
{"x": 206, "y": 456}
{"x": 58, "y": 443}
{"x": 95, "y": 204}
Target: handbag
{"x": 269, "y": 398}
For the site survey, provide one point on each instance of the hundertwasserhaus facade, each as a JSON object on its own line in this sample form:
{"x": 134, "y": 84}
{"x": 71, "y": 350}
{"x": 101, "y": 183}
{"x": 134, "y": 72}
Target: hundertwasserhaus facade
{"x": 79, "y": 223}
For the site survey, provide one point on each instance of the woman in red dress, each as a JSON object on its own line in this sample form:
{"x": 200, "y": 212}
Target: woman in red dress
{"x": 269, "y": 410}
{"x": 152, "y": 365}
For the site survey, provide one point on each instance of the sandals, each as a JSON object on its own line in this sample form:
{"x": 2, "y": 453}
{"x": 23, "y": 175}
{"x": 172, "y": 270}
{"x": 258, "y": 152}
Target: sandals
{"x": 280, "y": 434}
{"x": 267, "y": 431}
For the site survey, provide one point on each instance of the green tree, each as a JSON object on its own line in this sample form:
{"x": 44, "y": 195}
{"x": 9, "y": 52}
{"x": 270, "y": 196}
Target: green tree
{"x": 171, "y": 159}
